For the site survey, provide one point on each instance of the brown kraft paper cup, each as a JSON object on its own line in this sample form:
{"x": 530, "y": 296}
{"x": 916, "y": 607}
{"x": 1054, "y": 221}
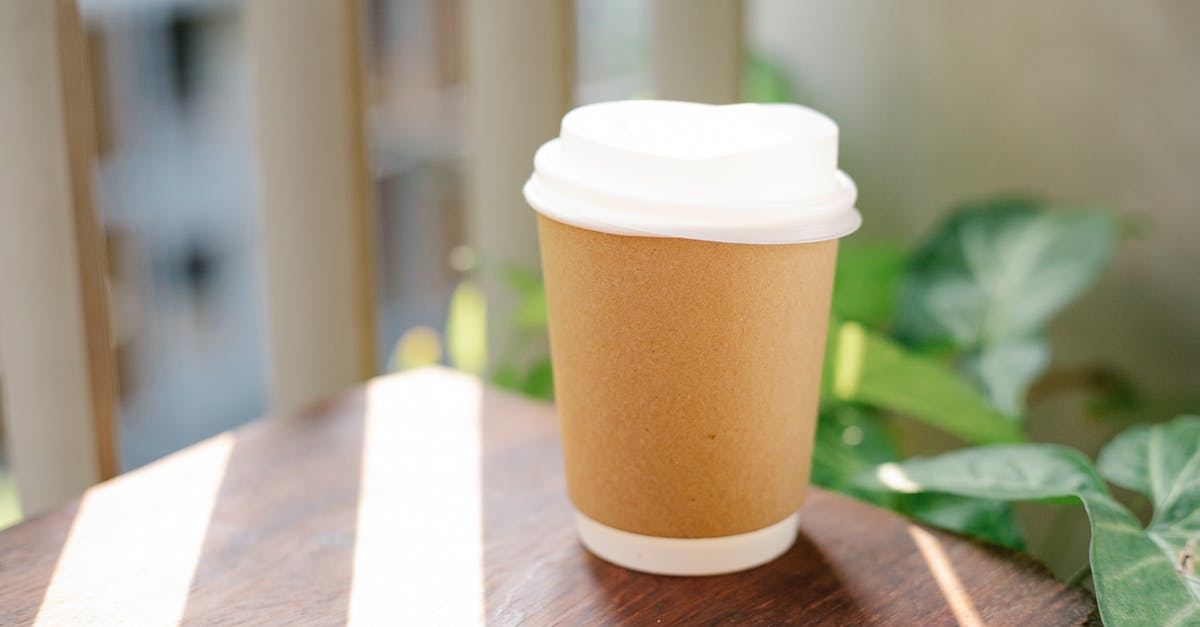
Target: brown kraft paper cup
{"x": 687, "y": 375}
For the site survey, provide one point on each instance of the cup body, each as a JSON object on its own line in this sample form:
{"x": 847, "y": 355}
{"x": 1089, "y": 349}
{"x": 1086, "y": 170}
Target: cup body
{"x": 687, "y": 376}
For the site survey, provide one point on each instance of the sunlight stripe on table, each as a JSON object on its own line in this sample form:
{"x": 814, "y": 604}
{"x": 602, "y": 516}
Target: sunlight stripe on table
{"x": 420, "y": 510}
{"x": 943, "y": 572}
{"x": 130, "y": 559}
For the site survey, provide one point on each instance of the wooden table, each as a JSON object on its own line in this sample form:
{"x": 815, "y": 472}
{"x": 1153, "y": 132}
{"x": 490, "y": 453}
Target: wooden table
{"x": 429, "y": 499}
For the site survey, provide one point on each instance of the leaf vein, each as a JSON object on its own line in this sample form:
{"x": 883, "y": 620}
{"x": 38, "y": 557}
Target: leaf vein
{"x": 1187, "y": 468}
{"x": 1182, "y": 615}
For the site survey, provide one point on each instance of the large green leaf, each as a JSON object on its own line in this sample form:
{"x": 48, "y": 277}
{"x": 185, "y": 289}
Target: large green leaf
{"x": 867, "y": 283}
{"x": 1163, "y": 463}
{"x": 851, "y": 440}
{"x": 986, "y": 519}
{"x": 868, "y": 368}
{"x": 1000, "y": 269}
{"x": 1135, "y": 578}
{"x": 990, "y": 278}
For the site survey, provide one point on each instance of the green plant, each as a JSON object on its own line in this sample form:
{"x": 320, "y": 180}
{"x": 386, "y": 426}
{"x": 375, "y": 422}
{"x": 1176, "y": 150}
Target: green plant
{"x": 765, "y": 80}
{"x": 1143, "y": 575}
{"x": 525, "y": 366}
{"x": 953, "y": 335}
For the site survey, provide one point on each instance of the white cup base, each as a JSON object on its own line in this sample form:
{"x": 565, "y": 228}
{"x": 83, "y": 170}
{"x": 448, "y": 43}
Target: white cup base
{"x": 688, "y": 556}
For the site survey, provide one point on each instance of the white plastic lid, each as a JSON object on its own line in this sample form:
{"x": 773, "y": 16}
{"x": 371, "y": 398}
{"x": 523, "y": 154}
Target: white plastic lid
{"x": 744, "y": 173}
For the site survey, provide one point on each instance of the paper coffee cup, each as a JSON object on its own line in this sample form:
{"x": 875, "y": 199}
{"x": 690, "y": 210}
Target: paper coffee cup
{"x": 688, "y": 252}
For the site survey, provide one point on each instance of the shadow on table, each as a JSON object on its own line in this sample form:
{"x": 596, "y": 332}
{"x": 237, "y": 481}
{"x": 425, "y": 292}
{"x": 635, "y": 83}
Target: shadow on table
{"x": 281, "y": 537}
{"x": 29, "y": 561}
{"x": 769, "y": 594}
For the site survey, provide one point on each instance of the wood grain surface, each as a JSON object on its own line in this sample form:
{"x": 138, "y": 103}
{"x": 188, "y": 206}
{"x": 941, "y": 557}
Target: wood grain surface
{"x": 427, "y": 499}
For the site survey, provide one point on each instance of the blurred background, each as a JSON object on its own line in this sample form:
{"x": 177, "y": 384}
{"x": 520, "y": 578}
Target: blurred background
{"x": 939, "y": 102}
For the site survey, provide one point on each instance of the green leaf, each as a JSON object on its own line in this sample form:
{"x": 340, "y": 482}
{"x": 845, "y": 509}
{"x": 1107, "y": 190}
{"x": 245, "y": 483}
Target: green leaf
{"x": 986, "y": 519}
{"x": 999, "y": 269}
{"x": 1162, "y": 462}
{"x": 990, "y": 278}
{"x": 466, "y": 328}
{"x": 849, "y": 442}
{"x": 1008, "y": 472}
{"x": 530, "y": 311}
{"x": 1135, "y": 578}
{"x": 521, "y": 280}
{"x": 867, "y": 283}
{"x": 765, "y": 81}
{"x": 1005, "y": 370}
{"x": 530, "y": 314}
{"x": 869, "y": 368}
{"x": 506, "y": 377}
{"x": 539, "y": 381}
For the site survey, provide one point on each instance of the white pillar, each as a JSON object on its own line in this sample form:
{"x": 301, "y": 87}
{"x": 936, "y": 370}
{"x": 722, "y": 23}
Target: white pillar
{"x": 697, "y": 50}
{"x": 520, "y": 82}
{"x": 48, "y": 392}
{"x": 314, "y": 195}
